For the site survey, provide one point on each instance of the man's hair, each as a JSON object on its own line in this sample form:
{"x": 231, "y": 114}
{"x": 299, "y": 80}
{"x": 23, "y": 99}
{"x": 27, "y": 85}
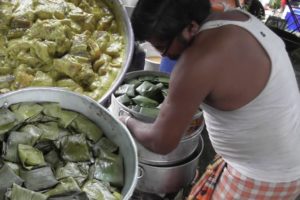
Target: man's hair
{"x": 164, "y": 19}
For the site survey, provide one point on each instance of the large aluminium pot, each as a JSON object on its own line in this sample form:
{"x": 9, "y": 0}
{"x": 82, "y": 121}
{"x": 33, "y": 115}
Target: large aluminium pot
{"x": 188, "y": 143}
{"x": 112, "y": 128}
{"x": 185, "y": 148}
{"x": 124, "y": 21}
{"x": 169, "y": 179}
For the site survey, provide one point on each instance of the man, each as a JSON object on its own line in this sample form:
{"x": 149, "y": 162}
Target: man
{"x": 239, "y": 72}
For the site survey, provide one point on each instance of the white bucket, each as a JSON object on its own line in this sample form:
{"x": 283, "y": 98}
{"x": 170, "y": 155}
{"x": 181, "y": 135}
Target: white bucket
{"x": 152, "y": 59}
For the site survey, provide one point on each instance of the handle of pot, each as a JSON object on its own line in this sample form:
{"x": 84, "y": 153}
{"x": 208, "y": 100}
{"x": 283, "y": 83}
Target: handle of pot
{"x": 141, "y": 172}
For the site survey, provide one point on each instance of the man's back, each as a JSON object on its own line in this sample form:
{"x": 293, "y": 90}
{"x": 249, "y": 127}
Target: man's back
{"x": 253, "y": 110}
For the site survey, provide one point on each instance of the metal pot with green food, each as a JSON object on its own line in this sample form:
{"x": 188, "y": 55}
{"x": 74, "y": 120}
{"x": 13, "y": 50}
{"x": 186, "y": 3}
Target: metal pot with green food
{"x": 80, "y": 45}
{"x": 140, "y": 95}
{"x": 60, "y": 145}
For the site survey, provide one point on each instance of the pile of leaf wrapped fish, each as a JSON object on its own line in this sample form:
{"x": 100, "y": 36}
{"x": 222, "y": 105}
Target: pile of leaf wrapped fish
{"x": 56, "y": 154}
{"x": 144, "y": 94}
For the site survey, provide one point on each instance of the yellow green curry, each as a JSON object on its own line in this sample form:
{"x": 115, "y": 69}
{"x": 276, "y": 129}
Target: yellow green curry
{"x": 74, "y": 44}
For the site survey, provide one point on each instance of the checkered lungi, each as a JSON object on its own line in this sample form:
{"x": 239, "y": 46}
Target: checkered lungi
{"x": 221, "y": 182}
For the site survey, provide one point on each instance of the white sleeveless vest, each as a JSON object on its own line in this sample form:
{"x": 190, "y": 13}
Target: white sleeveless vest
{"x": 261, "y": 140}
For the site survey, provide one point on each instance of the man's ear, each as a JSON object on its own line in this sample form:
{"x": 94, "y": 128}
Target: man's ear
{"x": 190, "y": 30}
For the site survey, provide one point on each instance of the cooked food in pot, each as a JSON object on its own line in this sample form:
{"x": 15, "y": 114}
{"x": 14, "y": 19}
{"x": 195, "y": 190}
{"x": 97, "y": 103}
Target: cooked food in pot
{"x": 74, "y": 44}
{"x": 53, "y": 153}
{"x": 143, "y": 94}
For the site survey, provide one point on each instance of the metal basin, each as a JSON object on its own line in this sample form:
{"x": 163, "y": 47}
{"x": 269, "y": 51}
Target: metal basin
{"x": 124, "y": 25}
{"x": 168, "y": 179}
{"x": 112, "y": 128}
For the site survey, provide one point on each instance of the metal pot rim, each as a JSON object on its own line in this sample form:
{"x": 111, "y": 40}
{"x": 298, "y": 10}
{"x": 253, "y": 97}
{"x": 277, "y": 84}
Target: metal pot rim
{"x": 192, "y": 158}
{"x": 120, "y": 9}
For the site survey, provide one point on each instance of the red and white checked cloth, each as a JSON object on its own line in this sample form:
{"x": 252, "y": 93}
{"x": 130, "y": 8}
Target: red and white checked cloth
{"x": 221, "y": 182}
{"x": 234, "y": 185}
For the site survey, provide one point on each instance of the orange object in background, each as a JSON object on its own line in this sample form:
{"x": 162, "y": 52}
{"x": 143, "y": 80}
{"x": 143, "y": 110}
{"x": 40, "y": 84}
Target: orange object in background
{"x": 220, "y": 5}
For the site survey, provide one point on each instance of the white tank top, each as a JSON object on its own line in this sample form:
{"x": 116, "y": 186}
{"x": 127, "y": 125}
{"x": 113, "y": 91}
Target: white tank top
{"x": 261, "y": 140}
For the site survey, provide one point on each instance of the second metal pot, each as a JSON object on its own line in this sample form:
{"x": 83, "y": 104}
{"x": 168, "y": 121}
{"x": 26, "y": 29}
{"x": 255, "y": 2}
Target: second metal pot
{"x": 168, "y": 179}
{"x": 186, "y": 147}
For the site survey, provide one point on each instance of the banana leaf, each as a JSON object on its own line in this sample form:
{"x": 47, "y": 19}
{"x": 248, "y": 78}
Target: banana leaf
{"x": 52, "y": 109}
{"x": 52, "y": 158}
{"x": 38, "y": 179}
{"x": 14, "y": 139}
{"x": 145, "y": 102}
{"x": 80, "y": 181}
{"x": 134, "y": 82}
{"x": 83, "y": 125}
{"x": 160, "y": 86}
{"x": 7, "y": 179}
{"x": 66, "y": 118}
{"x": 14, "y": 167}
{"x": 164, "y": 80}
{"x": 45, "y": 146}
{"x": 79, "y": 171}
{"x": 2, "y": 150}
{"x": 41, "y": 118}
{"x": 72, "y": 196}
{"x": 10, "y": 152}
{"x": 124, "y": 99}
{"x": 148, "y": 89}
{"x": 19, "y": 193}
{"x": 30, "y": 157}
{"x": 74, "y": 148}
{"x": 23, "y": 111}
{"x": 85, "y": 170}
{"x": 165, "y": 92}
{"x": 65, "y": 185}
{"x": 64, "y": 132}
{"x": 126, "y": 89}
{"x": 104, "y": 144}
{"x": 149, "y": 112}
{"x": 50, "y": 131}
{"x": 146, "y": 78}
{"x": 8, "y": 120}
{"x": 96, "y": 190}
{"x": 109, "y": 168}
{"x": 33, "y": 130}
